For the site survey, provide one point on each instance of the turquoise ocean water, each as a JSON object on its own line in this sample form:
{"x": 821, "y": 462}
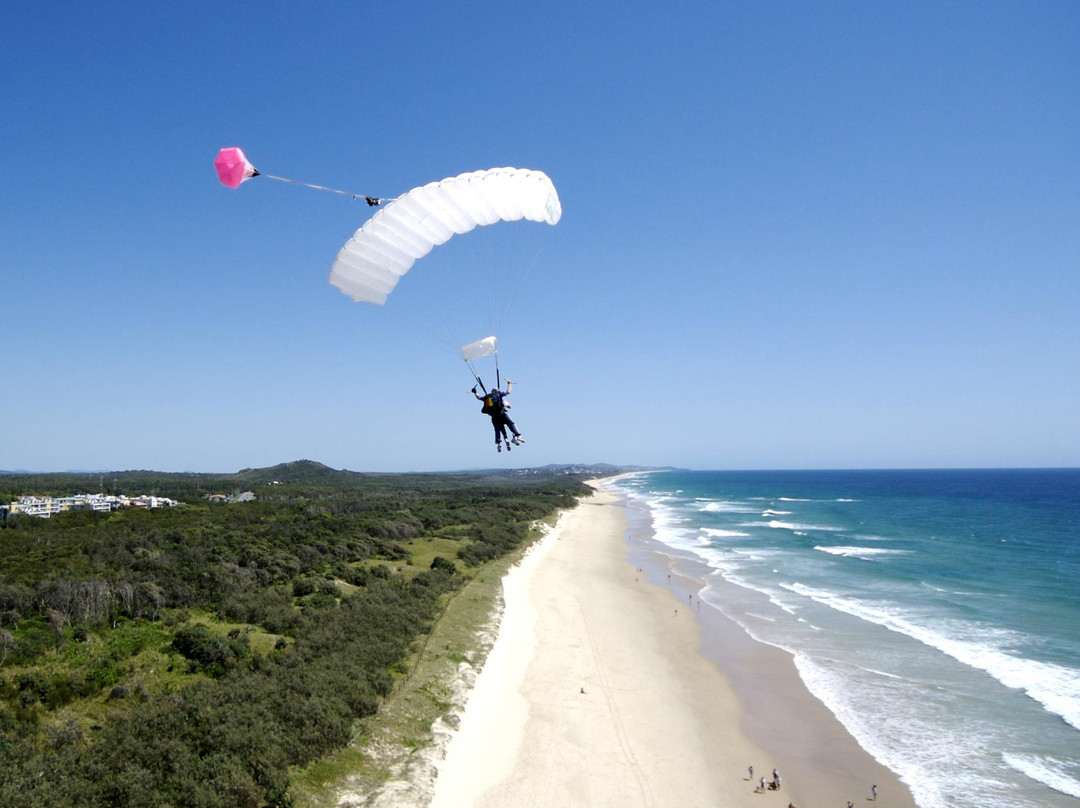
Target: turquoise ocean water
{"x": 935, "y": 613}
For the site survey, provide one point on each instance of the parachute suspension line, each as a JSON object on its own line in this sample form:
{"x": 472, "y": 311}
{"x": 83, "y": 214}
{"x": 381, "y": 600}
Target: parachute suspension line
{"x": 475, "y": 375}
{"x": 508, "y": 260}
{"x": 372, "y": 201}
{"x": 479, "y": 381}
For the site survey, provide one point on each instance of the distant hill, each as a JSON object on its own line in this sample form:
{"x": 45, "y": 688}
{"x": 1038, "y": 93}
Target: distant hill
{"x": 298, "y": 472}
{"x": 303, "y": 478}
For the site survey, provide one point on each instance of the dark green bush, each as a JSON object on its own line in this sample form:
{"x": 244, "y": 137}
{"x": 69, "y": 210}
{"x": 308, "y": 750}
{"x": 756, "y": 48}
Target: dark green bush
{"x": 445, "y": 564}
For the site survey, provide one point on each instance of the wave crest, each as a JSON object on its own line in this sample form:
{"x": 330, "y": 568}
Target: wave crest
{"x": 1046, "y": 770}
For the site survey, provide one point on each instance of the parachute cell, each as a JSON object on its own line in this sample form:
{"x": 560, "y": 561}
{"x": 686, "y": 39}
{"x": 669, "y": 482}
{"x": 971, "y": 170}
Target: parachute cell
{"x": 371, "y": 263}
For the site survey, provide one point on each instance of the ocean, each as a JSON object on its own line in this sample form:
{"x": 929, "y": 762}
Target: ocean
{"x": 935, "y": 613}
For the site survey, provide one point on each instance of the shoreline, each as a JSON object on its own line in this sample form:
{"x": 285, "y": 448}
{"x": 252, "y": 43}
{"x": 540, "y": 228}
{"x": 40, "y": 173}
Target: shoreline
{"x": 780, "y": 714}
{"x": 611, "y": 685}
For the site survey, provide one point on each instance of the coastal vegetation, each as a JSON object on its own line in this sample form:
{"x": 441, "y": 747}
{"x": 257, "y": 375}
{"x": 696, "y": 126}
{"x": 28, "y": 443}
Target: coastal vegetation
{"x": 208, "y": 655}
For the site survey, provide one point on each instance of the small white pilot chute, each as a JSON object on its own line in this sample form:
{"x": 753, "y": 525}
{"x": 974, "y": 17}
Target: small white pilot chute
{"x": 477, "y": 350}
{"x": 482, "y": 347}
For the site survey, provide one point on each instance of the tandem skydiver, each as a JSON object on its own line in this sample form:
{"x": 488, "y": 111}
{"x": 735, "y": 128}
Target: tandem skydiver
{"x": 496, "y": 407}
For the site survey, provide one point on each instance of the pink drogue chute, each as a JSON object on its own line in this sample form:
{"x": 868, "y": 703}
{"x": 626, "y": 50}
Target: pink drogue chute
{"x": 233, "y": 167}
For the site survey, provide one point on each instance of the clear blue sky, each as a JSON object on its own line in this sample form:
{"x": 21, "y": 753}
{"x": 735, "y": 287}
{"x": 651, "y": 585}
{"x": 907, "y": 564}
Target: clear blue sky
{"x": 795, "y": 235}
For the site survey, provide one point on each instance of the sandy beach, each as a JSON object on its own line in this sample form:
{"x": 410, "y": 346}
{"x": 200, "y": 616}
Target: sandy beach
{"x": 601, "y": 690}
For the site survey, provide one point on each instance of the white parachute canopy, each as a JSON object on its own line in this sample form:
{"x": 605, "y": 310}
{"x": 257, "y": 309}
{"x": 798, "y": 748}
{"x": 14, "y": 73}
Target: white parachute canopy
{"x": 371, "y": 263}
{"x": 482, "y": 347}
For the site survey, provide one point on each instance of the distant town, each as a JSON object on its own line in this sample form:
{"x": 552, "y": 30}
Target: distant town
{"x": 45, "y": 507}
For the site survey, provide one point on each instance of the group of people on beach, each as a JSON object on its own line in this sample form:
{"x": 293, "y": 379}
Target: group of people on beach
{"x": 774, "y": 785}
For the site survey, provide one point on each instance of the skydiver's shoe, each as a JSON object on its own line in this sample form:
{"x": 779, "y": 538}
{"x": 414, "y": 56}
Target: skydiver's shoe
{"x": 498, "y": 447}
{"x": 518, "y": 439}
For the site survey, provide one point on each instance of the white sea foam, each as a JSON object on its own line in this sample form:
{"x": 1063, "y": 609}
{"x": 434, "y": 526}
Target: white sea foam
{"x": 759, "y": 616}
{"x": 663, "y": 513}
{"x": 717, "y": 533}
{"x": 671, "y": 528}
{"x": 771, "y": 512}
{"x": 1046, "y": 770}
{"x": 908, "y": 748}
{"x": 886, "y": 674}
{"x": 915, "y": 746}
{"x": 1055, "y": 687}
{"x": 864, "y": 553}
{"x": 789, "y": 608}
{"x": 963, "y": 593}
{"x": 722, "y": 506}
{"x": 680, "y": 539}
{"x": 758, "y": 553}
{"x": 777, "y": 524}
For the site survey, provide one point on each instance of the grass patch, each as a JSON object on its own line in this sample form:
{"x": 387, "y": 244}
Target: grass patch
{"x": 424, "y": 551}
{"x": 336, "y": 768}
{"x": 261, "y": 642}
{"x": 105, "y": 673}
{"x": 109, "y": 671}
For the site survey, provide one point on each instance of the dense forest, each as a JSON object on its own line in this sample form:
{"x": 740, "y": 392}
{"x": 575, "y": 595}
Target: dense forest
{"x": 191, "y": 656}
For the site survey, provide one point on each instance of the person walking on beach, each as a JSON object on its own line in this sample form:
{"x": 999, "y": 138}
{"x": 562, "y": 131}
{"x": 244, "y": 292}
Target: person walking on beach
{"x": 496, "y": 407}
{"x": 873, "y": 793}
{"x": 750, "y": 768}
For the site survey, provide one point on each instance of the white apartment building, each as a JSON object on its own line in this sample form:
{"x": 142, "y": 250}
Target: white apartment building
{"x": 47, "y": 506}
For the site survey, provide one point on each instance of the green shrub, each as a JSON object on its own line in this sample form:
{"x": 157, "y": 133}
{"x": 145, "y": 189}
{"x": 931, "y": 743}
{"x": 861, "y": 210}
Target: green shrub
{"x": 445, "y": 564}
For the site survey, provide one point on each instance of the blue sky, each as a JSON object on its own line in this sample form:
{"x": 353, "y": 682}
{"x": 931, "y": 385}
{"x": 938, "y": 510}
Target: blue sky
{"x": 795, "y": 235}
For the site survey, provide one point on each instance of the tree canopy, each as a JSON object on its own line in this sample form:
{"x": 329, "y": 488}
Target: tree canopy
{"x": 190, "y": 656}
